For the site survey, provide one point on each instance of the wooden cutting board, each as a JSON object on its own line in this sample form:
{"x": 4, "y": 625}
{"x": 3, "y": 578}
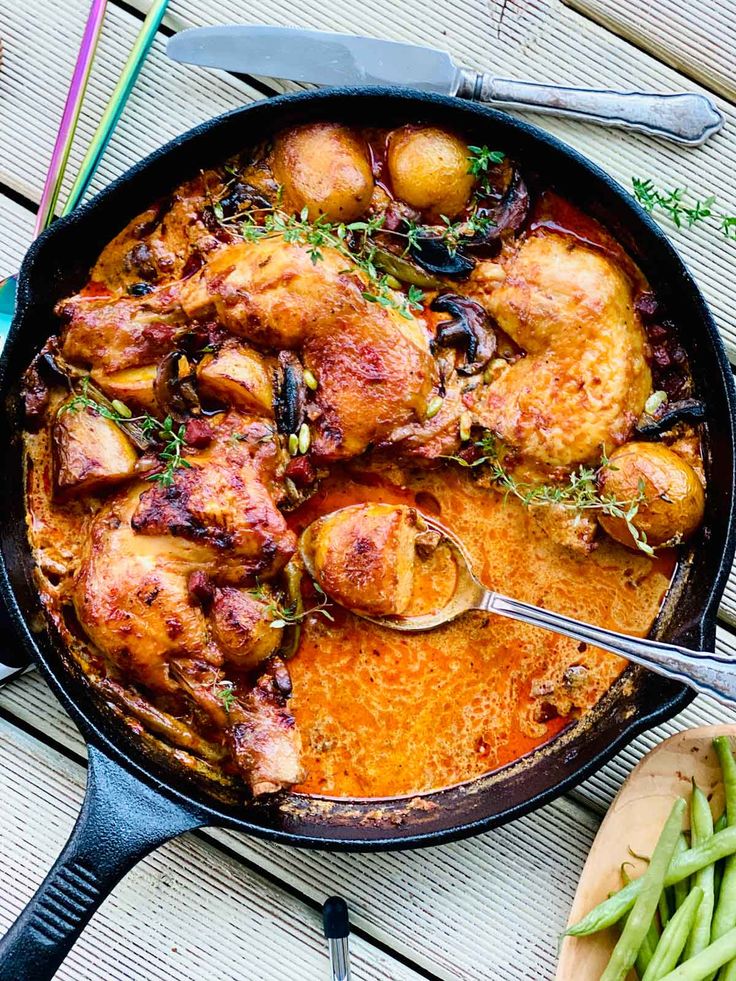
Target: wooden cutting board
{"x": 634, "y": 821}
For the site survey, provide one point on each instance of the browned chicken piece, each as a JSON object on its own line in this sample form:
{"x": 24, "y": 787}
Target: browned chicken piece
{"x": 374, "y": 366}
{"x": 433, "y": 439}
{"x": 261, "y": 732}
{"x": 239, "y": 377}
{"x": 219, "y": 512}
{"x": 585, "y": 377}
{"x": 363, "y": 556}
{"x": 124, "y": 332}
{"x": 131, "y": 592}
{"x": 131, "y": 597}
{"x": 242, "y": 627}
{"x": 267, "y": 744}
{"x": 133, "y": 386}
{"x": 90, "y": 451}
{"x": 157, "y": 246}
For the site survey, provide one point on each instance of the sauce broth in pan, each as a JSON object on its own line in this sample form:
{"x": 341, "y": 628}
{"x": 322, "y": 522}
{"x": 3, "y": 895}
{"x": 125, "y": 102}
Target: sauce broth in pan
{"x": 340, "y": 317}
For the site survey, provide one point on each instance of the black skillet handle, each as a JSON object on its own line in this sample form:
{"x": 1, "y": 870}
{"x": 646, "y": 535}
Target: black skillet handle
{"x": 121, "y": 821}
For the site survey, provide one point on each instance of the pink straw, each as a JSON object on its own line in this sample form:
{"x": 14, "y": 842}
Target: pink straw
{"x": 70, "y": 117}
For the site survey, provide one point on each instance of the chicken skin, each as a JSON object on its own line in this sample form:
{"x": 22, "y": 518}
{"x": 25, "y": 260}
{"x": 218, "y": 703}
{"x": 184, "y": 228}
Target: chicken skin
{"x": 117, "y": 332}
{"x": 217, "y": 518}
{"x": 131, "y": 596}
{"x": 374, "y": 366}
{"x": 585, "y": 377}
{"x": 134, "y": 596}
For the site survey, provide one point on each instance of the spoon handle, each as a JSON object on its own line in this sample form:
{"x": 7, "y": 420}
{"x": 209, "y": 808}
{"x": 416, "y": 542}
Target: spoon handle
{"x": 704, "y": 672}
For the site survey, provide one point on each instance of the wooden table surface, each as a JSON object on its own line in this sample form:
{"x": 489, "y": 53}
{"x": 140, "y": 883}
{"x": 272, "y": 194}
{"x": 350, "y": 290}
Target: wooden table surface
{"x": 217, "y": 905}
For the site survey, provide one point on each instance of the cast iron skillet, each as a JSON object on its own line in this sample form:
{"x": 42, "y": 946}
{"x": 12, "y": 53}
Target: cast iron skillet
{"x": 133, "y": 801}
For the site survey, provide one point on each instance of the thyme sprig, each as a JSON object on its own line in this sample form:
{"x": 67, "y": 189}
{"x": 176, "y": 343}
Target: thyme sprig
{"x": 226, "y": 694}
{"x": 170, "y": 436}
{"x": 580, "y": 492}
{"x": 173, "y": 443}
{"x": 285, "y": 615}
{"x": 480, "y": 161}
{"x": 356, "y": 240}
{"x": 679, "y": 206}
{"x": 83, "y": 400}
{"x": 320, "y": 233}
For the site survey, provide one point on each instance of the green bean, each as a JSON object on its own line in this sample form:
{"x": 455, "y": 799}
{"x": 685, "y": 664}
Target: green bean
{"x": 651, "y": 885}
{"x": 729, "y": 971}
{"x": 680, "y": 889}
{"x": 707, "y": 961}
{"x": 682, "y": 866}
{"x": 645, "y": 955}
{"x": 702, "y": 831}
{"x": 674, "y": 937}
{"x": 650, "y": 941}
{"x": 664, "y": 908}
{"x": 720, "y": 824}
{"x": 724, "y": 917}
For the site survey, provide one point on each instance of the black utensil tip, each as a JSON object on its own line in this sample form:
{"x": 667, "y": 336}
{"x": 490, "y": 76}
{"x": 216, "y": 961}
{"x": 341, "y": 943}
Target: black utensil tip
{"x": 335, "y": 918}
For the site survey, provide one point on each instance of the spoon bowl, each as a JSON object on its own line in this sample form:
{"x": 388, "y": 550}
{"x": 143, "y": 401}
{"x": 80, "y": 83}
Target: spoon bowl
{"x": 700, "y": 670}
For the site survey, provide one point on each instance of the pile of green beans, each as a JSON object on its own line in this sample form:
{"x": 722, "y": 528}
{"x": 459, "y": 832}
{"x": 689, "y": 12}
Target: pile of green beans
{"x": 678, "y": 920}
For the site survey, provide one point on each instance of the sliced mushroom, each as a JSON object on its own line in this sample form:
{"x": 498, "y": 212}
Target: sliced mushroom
{"x": 507, "y": 215}
{"x": 175, "y": 387}
{"x": 291, "y": 394}
{"x": 434, "y": 254}
{"x": 686, "y": 410}
{"x": 239, "y": 198}
{"x": 468, "y": 329}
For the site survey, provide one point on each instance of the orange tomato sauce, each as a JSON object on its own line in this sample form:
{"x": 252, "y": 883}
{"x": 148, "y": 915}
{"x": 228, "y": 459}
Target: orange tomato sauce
{"x": 383, "y": 713}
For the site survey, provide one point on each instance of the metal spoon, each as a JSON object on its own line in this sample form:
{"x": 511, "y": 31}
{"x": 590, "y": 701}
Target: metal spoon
{"x": 703, "y": 672}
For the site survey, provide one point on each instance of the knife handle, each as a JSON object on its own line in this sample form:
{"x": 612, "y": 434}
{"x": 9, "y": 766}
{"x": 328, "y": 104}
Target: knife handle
{"x": 687, "y": 118}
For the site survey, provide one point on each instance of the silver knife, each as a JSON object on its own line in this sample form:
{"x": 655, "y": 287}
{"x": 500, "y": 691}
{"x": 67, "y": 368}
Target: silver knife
{"x": 343, "y": 59}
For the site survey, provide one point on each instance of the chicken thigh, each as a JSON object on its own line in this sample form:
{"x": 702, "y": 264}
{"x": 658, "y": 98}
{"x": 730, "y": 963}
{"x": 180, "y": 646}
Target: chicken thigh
{"x": 585, "y": 377}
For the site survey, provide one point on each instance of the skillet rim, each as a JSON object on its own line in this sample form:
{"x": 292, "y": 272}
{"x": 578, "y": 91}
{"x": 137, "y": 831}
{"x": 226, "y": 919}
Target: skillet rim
{"x": 59, "y": 677}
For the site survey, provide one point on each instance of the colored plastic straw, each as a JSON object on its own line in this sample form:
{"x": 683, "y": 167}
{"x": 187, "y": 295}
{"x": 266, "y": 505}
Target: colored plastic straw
{"x": 117, "y": 103}
{"x": 70, "y": 117}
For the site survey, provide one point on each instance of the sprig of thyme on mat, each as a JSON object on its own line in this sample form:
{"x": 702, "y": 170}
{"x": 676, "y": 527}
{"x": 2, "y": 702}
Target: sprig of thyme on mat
{"x": 679, "y": 206}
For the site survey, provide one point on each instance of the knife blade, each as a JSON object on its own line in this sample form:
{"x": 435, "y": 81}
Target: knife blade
{"x": 689, "y": 118}
{"x": 315, "y": 56}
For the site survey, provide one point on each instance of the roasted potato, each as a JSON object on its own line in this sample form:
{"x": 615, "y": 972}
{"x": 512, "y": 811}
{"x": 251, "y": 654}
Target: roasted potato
{"x": 429, "y": 170}
{"x": 325, "y": 168}
{"x": 90, "y": 451}
{"x": 674, "y": 498}
{"x": 363, "y": 556}
{"x": 242, "y": 629}
{"x": 134, "y": 386}
{"x": 237, "y": 376}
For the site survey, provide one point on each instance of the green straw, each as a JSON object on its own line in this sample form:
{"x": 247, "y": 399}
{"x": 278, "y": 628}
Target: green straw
{"x": 117, "y": 103}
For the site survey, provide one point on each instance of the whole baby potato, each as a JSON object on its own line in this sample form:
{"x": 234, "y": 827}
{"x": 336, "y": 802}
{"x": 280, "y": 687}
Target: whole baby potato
{"x": 673, "y": 502}
{"x": 325, "y": 168}
{"x": 429, "y": 170}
